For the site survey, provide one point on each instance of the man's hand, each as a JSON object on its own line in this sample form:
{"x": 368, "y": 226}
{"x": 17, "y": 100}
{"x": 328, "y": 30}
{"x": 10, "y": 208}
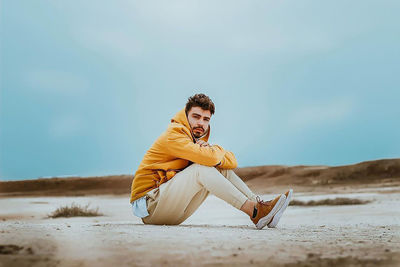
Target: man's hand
{"x": 202, "y": 143}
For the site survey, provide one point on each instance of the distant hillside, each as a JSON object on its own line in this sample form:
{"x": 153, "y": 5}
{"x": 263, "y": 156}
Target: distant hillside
{"x": 383, "y": 172}
{"x": 367, "y": 172}
{"x": 71, "y": 186}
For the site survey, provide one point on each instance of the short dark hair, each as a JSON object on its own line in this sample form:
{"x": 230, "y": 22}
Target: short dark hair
{"x": 200, "y": 100}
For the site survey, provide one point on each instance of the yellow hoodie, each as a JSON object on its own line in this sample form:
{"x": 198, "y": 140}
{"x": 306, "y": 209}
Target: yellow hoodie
{"x": 172, "y": 152}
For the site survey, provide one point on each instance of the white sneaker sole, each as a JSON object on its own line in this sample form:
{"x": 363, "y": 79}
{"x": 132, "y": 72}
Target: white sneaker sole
{"x": 266, "y": 219}
{"x": 278, "y": 215}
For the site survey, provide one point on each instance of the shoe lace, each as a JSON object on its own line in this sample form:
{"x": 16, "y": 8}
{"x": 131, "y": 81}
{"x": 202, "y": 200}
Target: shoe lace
{"x": 262, "y": 202}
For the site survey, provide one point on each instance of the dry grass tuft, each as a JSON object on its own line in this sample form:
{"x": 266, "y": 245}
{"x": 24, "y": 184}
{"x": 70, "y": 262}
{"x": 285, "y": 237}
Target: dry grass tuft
{"x": 74, "y": 211}
{"x": 329, "y": 202}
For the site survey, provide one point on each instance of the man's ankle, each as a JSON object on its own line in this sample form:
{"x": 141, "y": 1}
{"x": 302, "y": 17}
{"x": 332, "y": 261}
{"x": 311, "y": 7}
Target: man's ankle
{"x": 248, "y": 207}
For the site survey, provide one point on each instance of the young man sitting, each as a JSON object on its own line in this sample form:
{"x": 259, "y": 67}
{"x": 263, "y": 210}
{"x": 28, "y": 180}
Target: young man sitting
{"x": 181, "y": 169}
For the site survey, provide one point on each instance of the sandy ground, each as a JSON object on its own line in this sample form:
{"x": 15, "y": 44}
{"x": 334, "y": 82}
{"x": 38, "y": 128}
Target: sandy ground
{"x": 216, "y": 234}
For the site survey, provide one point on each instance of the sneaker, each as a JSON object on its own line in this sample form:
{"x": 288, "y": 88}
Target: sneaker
{"x": 266, "y": 210}
{"x": 278, "y": 215}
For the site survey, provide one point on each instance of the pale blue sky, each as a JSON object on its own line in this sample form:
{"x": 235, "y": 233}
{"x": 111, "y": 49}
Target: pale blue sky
{"x": 87, "y": 86}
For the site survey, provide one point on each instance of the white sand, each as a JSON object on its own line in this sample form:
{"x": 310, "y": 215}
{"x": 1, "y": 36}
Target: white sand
{"x": 216, "y": 234}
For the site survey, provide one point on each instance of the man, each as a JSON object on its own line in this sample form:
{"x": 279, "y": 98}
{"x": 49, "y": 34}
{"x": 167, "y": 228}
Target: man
{"x": 181, "y": 168}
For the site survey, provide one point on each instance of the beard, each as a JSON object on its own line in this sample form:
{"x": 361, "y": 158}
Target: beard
{"x": 199, "y": 134}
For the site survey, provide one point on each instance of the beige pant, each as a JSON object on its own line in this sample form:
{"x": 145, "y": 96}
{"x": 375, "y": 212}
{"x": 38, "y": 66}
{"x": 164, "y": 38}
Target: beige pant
{"x": 176, "y": 200}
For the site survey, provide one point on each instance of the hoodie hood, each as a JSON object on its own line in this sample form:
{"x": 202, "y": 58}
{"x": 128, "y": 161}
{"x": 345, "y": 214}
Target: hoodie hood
{"x": 181, "y": 118}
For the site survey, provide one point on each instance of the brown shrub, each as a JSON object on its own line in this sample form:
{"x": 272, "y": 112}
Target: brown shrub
{"x": 329, "y": 202}
{"x": 74, "y": 211}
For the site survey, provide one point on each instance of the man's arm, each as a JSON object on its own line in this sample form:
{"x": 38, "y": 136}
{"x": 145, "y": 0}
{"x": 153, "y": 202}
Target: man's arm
{"x": 228, "y": 161}
{"x": 180, "y": 145}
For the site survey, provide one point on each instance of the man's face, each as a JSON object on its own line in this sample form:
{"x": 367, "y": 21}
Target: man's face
{"x": 199, "y": 119}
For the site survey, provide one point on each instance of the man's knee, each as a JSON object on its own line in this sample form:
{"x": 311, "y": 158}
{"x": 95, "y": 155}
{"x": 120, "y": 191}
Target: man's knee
{"x": 206, "y": 170}
{"x": 203, "y": 168}
{"x": 224, "y": 172}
